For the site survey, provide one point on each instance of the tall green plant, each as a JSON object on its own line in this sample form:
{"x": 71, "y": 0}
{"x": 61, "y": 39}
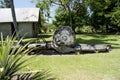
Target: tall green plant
{"x": 11, "y": 58}
{"x": 12, "y": 61}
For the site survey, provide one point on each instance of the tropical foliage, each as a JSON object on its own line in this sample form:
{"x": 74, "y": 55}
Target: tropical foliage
{"x": 101, "y": 15}
{"x": 11, "y": 58}
{"x": 12, "y": 61}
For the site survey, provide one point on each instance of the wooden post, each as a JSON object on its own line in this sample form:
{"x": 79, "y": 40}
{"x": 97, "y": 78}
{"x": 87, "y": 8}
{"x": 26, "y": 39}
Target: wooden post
{"x": 14, "y": 19}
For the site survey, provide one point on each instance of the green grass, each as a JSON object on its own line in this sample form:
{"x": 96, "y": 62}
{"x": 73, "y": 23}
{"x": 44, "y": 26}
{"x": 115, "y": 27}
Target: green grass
{"x": 47, "y": 37}
{"x": 97, "y": 66}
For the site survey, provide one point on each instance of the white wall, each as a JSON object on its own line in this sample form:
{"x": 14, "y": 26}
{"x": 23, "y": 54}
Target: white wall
{"x": 26, "y": 28}
{"x": 5, "y": 29}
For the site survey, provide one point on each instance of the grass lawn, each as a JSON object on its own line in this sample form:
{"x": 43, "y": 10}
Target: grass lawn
{"x": 97, "y": 66}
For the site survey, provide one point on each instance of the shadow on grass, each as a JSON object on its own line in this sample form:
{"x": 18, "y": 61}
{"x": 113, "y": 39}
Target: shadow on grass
{"x": 115, "y": 47}
{"x": 96, "y": 35}
{"x": 49, "y": 52}
{"x": 98, "y": 41}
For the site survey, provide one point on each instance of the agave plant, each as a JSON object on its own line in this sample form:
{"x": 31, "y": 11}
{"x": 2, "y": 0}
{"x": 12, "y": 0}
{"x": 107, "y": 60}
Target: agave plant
{"x": 40, "y": 75}
{"x": 11, "y": 61}
{"x": 11, "y": 58}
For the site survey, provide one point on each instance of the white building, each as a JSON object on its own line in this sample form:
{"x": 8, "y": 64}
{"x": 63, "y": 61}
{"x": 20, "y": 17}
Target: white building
{"x": 26, "y": 20}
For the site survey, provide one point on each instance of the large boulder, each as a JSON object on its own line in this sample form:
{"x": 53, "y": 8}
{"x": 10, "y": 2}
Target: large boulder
{"x": 64, "y": 39}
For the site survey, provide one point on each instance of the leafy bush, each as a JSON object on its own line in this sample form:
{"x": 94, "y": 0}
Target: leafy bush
{"x": 87, "y": 29}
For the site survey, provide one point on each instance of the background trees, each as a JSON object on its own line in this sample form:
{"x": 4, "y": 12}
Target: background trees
{"x": 103, "y": 14}
{"x": 44, "y": 6}
{"x": 100, "y": 15}
{"x": 114, "y": 15}
{"x": 4, "y": 3}
{"x": 72, "y": 13}
{"x": 69, "y": 12}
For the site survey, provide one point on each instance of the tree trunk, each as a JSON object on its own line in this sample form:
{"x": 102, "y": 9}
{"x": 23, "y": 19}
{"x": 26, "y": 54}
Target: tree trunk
{"x": 40, "y": 22}
{"x": 14, "y": 19}
{"x": 70, "y": 17}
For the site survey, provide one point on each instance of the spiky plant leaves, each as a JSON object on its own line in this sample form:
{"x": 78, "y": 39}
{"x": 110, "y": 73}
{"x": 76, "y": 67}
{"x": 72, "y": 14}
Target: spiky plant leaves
{"x": 42, "y": 75}
{"x": 11, "y": 62}
{"x": 11, "y": 58}
{"x": 39, "y": 75}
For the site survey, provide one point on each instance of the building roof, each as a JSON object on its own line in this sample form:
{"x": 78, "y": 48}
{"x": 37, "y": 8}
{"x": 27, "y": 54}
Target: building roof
{"x": 22, "y": 15}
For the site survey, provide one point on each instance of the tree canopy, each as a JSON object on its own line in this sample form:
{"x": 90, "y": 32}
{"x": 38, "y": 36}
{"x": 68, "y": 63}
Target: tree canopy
{"x": 4, "y": 3}
{"x": 100, "y": 15}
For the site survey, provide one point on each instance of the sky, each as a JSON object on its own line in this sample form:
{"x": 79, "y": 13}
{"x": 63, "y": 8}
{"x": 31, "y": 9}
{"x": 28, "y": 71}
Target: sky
{"x": 28, "y": 4}
{"x": 23, "y": 4}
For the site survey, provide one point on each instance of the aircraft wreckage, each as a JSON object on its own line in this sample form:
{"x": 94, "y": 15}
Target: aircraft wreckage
{"x": 64, "y": 42}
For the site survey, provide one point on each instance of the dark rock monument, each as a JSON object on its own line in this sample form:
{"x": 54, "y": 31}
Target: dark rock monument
{"x": 64, "y": 39}
{"x": 64, "y": 42}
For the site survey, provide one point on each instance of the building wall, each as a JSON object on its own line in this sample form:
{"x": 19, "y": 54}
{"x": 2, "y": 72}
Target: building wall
{"x": 5, "y": 29}
{"x": 26, "y": 29}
